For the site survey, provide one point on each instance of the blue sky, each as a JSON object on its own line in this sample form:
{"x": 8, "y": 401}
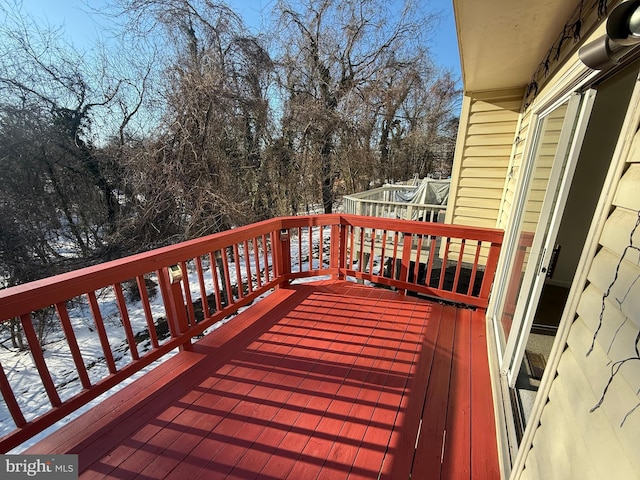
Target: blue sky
{"x": 81, "y": 29}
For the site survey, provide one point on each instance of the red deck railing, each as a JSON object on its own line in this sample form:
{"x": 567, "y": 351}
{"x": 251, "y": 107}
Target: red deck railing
{"x": 204, "y": 281}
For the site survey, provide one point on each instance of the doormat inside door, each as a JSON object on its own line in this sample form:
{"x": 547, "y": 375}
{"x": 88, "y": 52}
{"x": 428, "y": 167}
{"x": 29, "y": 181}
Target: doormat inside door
{"x": 537, "y": 363}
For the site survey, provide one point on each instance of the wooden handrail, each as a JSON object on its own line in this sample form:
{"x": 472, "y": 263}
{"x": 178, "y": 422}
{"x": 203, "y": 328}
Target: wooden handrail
{"x": 406, "y": 255}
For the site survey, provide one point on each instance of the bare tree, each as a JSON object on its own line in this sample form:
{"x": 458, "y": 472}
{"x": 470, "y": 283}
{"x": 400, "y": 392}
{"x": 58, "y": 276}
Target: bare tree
{"x": 348, "y": 68}
{"x": 184, "y": 124}
{"x": 213, "y": 132}
{"x": 60, "y": 188}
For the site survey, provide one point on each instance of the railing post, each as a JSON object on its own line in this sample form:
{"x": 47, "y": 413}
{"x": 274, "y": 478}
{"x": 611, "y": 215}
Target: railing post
{"x": 490, "y": 271}
{"x": 284, "y": 256}
{"x": 175, "y": 306}
{"x": 338, "y": 259}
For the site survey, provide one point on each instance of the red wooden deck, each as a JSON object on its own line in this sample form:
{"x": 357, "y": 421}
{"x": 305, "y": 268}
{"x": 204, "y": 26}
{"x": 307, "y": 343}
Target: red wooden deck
{"x": 324, "y": 380}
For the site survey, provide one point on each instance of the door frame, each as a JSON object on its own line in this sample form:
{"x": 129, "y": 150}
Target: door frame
{"x": 560, "y": 180}
{"x": 510, "y": 244}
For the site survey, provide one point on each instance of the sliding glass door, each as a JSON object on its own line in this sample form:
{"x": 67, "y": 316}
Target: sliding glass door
{"x": 545, "y": 178}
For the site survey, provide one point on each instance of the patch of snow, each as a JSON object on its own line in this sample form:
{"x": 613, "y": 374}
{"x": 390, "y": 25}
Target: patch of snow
{"x": 25, "y": 379}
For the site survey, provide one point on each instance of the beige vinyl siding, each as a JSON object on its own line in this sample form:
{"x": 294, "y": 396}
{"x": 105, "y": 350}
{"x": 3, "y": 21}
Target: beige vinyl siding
{"x": 488, "y": 123}
{"x": 540, "y": 157}
{"x": 513, "y": 172}
{"x": 601, "y": 442}
{"x": 543, "y": 163}
{"x": 487, "y": 130}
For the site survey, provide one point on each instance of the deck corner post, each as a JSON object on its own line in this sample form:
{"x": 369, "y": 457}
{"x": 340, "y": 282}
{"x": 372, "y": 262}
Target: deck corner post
{"x": 175, "y": 307}
{"x": 338, "y": 250}
{"x": 284, "y": 256}
{"x": 490, "y": 271}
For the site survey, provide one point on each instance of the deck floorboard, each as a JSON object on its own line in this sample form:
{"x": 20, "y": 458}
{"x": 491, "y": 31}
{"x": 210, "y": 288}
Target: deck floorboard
{"x": 327, "y": 380}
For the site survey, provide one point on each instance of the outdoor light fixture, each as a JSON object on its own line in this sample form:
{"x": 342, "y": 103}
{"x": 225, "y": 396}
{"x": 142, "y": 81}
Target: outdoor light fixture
{"x": 623, "y": 24}
{"x": 175, "y": 274}
{"x": 623, "y": 35}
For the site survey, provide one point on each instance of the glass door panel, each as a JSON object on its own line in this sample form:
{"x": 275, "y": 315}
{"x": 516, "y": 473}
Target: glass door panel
{"x": 551, "y": 181}
{"x": 534, "y": 183}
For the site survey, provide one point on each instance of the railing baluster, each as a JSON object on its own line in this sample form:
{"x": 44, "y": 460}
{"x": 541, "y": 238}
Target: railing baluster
{"x": 256, "y": 260}
{"x": 274, "y": 241}
{"x": 126, "y": 323}
{"x": 102, "y": 333}
{"x": 203, "y": 290}
{"x": 227, "y": 278}
{"x": 38, "y": 359}
{"x": 236, "y": 261}
{"x": 382, "y": 248}
{"x": 474, "y": 268}
{"x": 406, "y": 258}
{"x": 247, "y": 263}
{"x": 432, "y": 254}
{"x": 395, "y": 255}
{"x": 320, "y": 247}
{"x": 310, "y": 247}
{"x": 458, "y": 267}
{"x": 146, "y": 306}
{"x": 63, "y": 313}
{"x": 361, "y": 261}
{"x": 443, "y": 270}
{"x": 351, "y": 245}
{"x": 299, "y": 231}
{"x": 416, "y": 268}
{"x": 215, "y": 260}
{"x": 10, "y": 400}
{"x": 372, "y": 251}
{"x": 265, "y": 254}
{"x": 187, "y": 293}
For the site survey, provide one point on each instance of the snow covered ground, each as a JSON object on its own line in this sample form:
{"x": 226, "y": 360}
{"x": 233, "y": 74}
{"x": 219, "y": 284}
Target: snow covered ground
{"x": 25, "y": 380}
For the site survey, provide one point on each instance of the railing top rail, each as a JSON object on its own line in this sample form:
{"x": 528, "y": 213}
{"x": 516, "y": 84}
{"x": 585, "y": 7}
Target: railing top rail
{"x": 50, "y": 290}
{"x": 492, "y": 235}
{"x": 433, "y": 206}
{"x": 377, "y": 190}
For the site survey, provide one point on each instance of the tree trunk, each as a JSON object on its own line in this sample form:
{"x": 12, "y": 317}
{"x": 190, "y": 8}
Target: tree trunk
{"x": 327, "y": 176}
{"x": 16, "y": 334}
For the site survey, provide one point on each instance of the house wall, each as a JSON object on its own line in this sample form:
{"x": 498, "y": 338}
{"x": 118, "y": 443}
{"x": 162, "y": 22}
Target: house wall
{"x": 586, "y": 420}
{"x": 488, "y": 123}
{"x": 554, "y": 69}
{"x": 515, "y": 164}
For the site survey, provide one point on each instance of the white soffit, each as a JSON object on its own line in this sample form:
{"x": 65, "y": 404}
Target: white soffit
{"x": 502, "y": 42}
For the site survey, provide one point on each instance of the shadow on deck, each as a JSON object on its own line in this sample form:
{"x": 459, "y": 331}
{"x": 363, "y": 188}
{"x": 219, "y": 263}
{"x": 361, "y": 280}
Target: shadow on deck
{"x": 319, "y": 380}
